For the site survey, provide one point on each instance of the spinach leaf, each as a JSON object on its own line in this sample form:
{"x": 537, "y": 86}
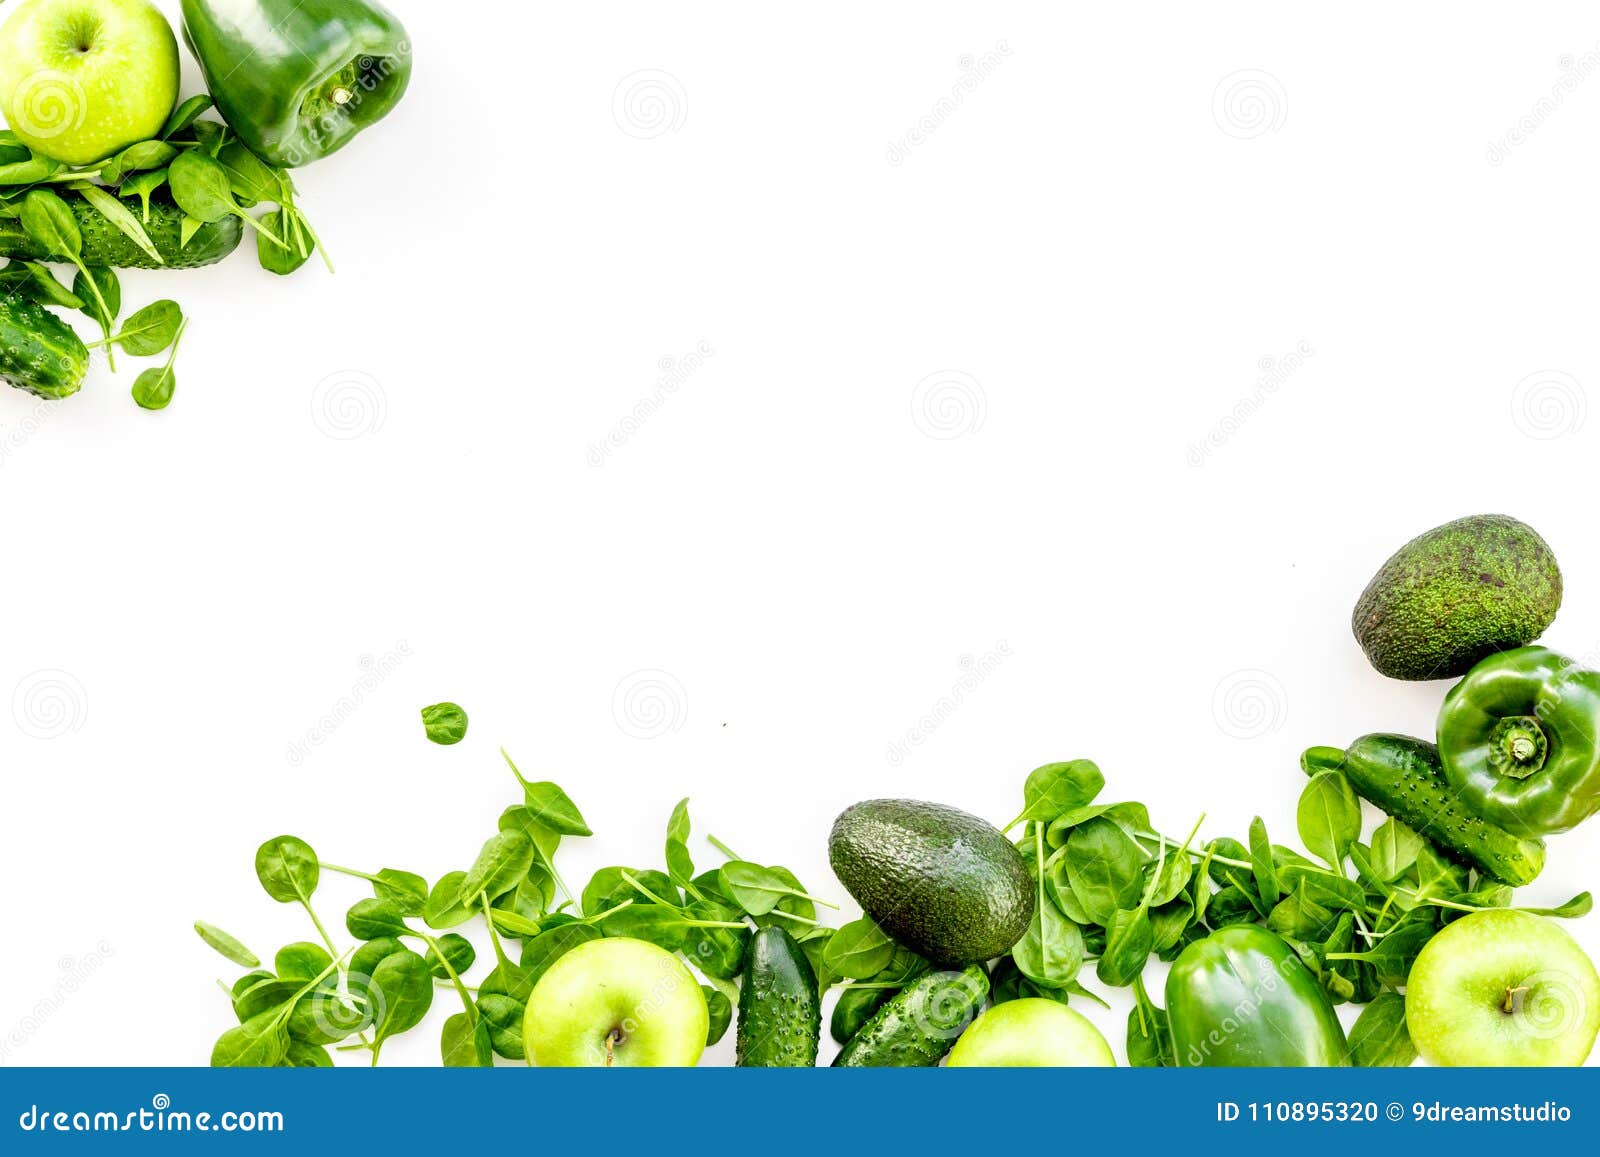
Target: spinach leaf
{"x": 444, "y": 723}
{"x": 445, "y": 907}
{"x": 227, "y": 945}
{"x": 301, "y": 961}
{"x": 1261, "y": 864}
{"x": 407, "y": 891}
{"x": 152, "y": 329}
{"x": 403, "y": 986}
{"x": 260, "y": 1042}
{"x": 465, "y": 1042}
{"x": 374, "y": 919}
{"x": 1103, "y": 866}
{"x": 502, "y": 1015}
{"x": 1394, "y": 849}
{"x": 287, "y": 869}
{"x": 184, "y": 115}
{"x": 1058, "y": 787}
{"x": 1329, "y": 816}
{"x": 451, "y": 949}
{"x": 859, "y": 950}
{"x": 721, "y": 1010}
{"x": 1380, "y": 1038}
{"x": 539, "y": 953}
{"x": 106, "y": 292}
{"x": 503, "y": 861}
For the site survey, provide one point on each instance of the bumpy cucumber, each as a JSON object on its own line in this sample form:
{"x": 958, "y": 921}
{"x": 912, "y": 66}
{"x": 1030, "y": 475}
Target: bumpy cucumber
{"x": 920, "y": 1023}
{"x": 780, "y": 1012}
{"x": 1403, "y": 777}
{"x": 38, "y": 351}
{"x": 105, "y": 244}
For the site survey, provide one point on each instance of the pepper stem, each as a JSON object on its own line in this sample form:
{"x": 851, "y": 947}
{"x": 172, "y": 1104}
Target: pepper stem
{"x": 1518, "y": 746}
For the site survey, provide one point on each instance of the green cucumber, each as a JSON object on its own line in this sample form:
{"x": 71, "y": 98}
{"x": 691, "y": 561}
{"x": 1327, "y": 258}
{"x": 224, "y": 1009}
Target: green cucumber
{"x": 918, "y": 1024}
{"x": 780, "y": 1012}
{"x": 105, "y": 244}
{"x": 38, "y": 351}
{"x": 1403, "y": 777}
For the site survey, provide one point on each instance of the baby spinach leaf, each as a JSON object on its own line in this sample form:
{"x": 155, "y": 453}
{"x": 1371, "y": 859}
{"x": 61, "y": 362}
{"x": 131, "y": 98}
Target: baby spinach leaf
{"x": 1103, "y": 866}
{"x": 280, "y": 259}
{"x": 465, "y": 1043}
{"x": 444, "y": 723}
{"x": 445, "y": 907}
{"x": 227, "y": 945}
{"x": 503, "y": 861}
{"x": 1580, "y": 905}
{"x": 1329, "y": 816}
{"x": 721, "y": 1010}
{"x": 153, "y": 388}
{"x": 719, "y": 952}
{"x": 301, "y": 961}
{"x": 287, "y": 869}
{"x": 184, "y": 115}
{"x": 272, "y": 993}
{"x": 407, "y": 891}
{"x": 404, "y": 988}
{"x": 680, "y": 864}
{"x": 260, "y": 1042}
{"x": 152, "y": 329}
{"x": 1394, "y": 849}
{"x": 1261, "y": 864}
{"x": 457, "y": 951}
{"x": 374, "y": 919}
{"x": 859, "y": 949}
{"x": 503, "y": 1017}
{"x": 1299, "y": 916}
{"x": 539, "y": 953}
{"x": 47, "y": 220}
{"x": 109, "y": 294}
{"x": 1051, "y": 950}
{"x": 551, "y": 807}
{"x": 754, "y": 888}
{"x": 1380, "y": 1038}
{"x": 1058, "y": 787}
{"x": 304, "y": 1055}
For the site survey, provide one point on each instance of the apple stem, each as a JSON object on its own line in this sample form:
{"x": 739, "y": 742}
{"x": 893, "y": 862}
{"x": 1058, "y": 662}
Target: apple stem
{"x": 1511, "y": 995}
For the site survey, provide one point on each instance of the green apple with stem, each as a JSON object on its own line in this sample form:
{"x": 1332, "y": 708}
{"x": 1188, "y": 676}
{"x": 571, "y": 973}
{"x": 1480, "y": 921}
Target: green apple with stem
{"x": 1031, "y": 1033}
{"x": 1503, "y": 988}
{"x": 613, "y": 1003}
{"x": 82, "y": 79}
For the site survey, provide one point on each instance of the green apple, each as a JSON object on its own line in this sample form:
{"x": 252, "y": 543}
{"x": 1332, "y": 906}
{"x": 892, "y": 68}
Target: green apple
{"x": 616, "y": 1002}
{"x": 1503, "y": 988}
{"x": 81, "y": 79}
{"x": 1032, "y": 1032}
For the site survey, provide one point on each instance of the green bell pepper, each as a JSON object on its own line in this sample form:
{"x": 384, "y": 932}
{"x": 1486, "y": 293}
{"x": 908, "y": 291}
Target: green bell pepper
{"x": 297, "y": 79}
{"x": 1242, "y": 997}
{"x": 1517, "y": 737}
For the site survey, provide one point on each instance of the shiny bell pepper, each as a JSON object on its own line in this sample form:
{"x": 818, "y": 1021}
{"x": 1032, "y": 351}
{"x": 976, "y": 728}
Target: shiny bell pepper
{"x": 297, "y": 79}
{"x": 1517, "y": 737}
{"x": 1242, "y": 997}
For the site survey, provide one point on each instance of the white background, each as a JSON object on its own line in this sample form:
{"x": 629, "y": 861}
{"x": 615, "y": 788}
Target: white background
{"x": 1094, "y": 256}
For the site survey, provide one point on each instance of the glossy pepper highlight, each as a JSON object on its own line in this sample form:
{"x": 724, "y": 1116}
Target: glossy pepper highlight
{"x": 1517, "y": 738}
{"x": 297, "y": 79}
{"x": 1242, "y": 997}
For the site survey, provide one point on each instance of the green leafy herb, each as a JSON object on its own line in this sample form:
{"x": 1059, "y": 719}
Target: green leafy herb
{"x": 445, "y": 723}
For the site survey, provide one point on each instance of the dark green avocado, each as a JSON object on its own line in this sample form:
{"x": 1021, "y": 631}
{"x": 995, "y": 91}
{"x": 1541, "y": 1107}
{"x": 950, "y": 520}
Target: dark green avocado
{"x": 941, "y": 882}
{"x": 1457, "y": 594}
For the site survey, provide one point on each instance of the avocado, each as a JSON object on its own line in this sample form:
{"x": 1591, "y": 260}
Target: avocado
{"x": 939, "y": 881}
{"x": 1460, "y": 592}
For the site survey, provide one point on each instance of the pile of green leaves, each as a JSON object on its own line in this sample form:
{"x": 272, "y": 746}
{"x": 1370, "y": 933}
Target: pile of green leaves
{"x": 1114, "y": 892}
{"x": 205, "y": 170}
{"x": 319, "y": 996}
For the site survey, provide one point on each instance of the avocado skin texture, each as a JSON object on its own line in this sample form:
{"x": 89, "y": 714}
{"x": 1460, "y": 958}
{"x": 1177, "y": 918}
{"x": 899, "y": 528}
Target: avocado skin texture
{"x": 1456, "y": 594}
{"x": 939, "y": 881}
